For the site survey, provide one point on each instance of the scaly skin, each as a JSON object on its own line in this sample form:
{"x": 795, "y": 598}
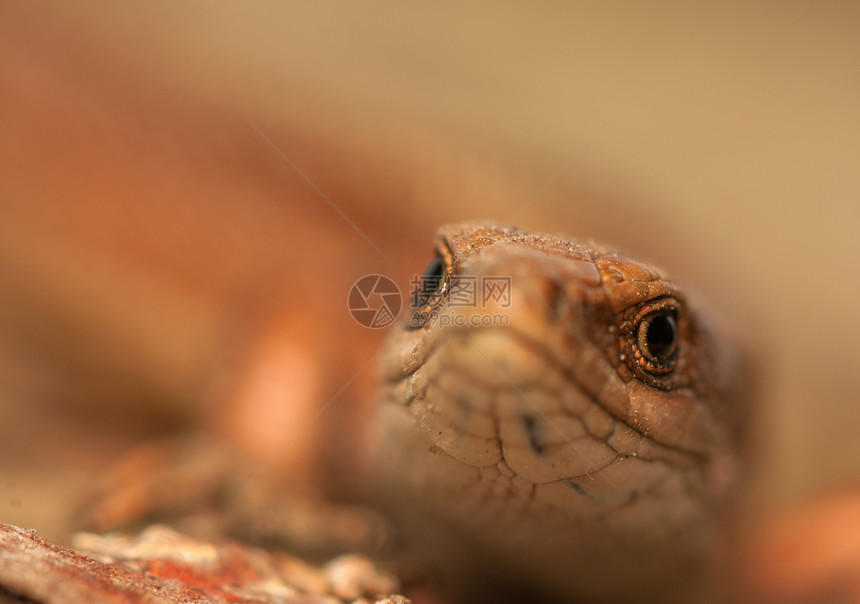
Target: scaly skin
{"x": 563, "y": 446}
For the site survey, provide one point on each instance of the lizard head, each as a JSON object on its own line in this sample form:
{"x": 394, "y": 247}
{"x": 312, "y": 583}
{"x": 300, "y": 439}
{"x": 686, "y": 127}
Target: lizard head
{"x": 563, "y": 395}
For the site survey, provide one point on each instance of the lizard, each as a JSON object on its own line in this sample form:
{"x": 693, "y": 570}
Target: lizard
{"x": 582, "y": 429}
{"x": 115, "y": 144}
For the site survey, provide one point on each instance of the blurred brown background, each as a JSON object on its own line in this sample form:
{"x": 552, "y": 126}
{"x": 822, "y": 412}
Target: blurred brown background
{"x": 729, "y": 154}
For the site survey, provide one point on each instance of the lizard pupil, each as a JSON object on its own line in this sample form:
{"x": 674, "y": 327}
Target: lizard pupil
{"x": 658, "y": 336}
{"x": 435, "y": 269}
{"x": 430, "y": 283}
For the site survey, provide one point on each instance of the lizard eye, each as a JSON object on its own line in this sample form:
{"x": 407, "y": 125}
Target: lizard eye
{"x": 657, "y": 340}
{"x": 430, "y": 286}
{"x": 653, "y": 341}
{"x": 435, "y": 269}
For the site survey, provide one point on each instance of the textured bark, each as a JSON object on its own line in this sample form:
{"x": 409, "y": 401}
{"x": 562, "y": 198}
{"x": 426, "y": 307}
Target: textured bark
{"x": 161, "y": 566}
